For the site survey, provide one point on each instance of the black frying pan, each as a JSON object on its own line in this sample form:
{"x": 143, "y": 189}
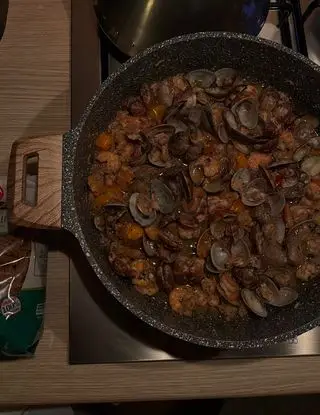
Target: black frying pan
{"x": 259, "y": 59}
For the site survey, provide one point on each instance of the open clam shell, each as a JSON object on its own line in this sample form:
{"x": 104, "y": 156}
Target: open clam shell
{"x": 218, "y": 92}
{"x": 222, "y": 133}
{"x": 286, "y": 297}
{"x": 218, "y": 229}
{"x": 303, "y": 131}
{"x": 114, "y": 211}
{"x": 277, "y": 202}
{"x": 220, "y": 256}
{"x": 254, "y": 304}
{"x": 247, "y": 113}
{"x": 245, "y": 135}
{"x": 301, "y": 152}
{"x": 240, "y": 254}
{"x": 268, "y": 100}
{"x": 240, "y": 179}
{"x": 274, "y": 296}
{"x": 311, "y": 165}
{"x": 163, "y": 196}
{"x": 225, "y": 77}
{"x": 202, "y": 78}
{"x": 204, "y": 244}
{"x": 255, "y": 193}
{"x": 314, "y": 142}
{"x": 241, "y": 147}
{"x": 149, "y": 246}
{"x": 257, "y": 238}
{"x": 152, "y": 132}
{"x": 179, "y": 144}
{"x": 268, "y": 291}
{"x": 274, "y": 230}
{"x": 213, "y": 186}
{"x": 281, "y": 164}
{"x": 186, "y": 186}
{"x": 99, "y": 222}
{"x": 311, "y": 119}
{"x": 267, "y": 175}
{"x": 210, "y": 267}
{"x": 196, "y": 173}
{"x": 142, "y": 219}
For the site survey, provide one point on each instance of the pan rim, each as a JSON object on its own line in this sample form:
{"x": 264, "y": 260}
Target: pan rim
{"x": 70, "y": 220}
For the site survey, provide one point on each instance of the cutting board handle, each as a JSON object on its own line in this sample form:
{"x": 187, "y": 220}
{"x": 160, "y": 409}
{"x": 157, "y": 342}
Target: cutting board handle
{"x": 46, "y": 211}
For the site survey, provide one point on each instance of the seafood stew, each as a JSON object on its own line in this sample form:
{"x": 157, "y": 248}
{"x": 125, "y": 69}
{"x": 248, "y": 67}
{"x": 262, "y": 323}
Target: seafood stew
{"x": 206, "y": 187}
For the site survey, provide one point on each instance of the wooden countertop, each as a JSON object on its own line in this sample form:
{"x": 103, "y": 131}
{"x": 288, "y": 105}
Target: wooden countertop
{"x": 35, "y": 99}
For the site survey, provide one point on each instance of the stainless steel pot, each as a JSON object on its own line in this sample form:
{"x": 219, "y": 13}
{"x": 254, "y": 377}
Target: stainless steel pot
{"x": 137, "y": 24}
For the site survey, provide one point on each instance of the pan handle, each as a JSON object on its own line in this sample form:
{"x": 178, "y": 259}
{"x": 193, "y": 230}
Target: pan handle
{"x": 46, "y": 211}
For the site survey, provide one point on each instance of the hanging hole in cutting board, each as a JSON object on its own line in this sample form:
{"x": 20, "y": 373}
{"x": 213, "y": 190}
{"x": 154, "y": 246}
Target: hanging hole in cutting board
{"x": 30, "y": 179}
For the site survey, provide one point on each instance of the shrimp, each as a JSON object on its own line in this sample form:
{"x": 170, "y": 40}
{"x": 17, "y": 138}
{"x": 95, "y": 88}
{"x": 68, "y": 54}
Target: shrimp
{"x": 313, "y": 190}
{"x": 245, "y": 220}
{"x": 198, "y": 194}
{"x": 258, "y": 159}
{"x": 125, "y": 177}
{"x": 211, "y": 166}
{"x": 188, "y": 233}
{"x": 223, "y": 202}
{"x": 121, "y": 265}
{"x": 179, "y": 84}
{"x": 131, "y": 124}
{"x": 129, "y": 231}
{"x": 136, "y": 106}
{"x": 229, "y": 312}
{"x": 183, "y": 300}
{"x": 104, "y": 141}
{"x": 143, "y": 277}
{"x": 229, "y": 288}
{"x": 287, "y": 141}
{"x": 307, "y": 271}
{"x": 209, "y": 286}
{"x": 96, "y": 182}
{"x": 112, "y": 163}
{"x": 300, "y": 213}
{"x": 126, "y": 152}
{"x": 145, "y": 287}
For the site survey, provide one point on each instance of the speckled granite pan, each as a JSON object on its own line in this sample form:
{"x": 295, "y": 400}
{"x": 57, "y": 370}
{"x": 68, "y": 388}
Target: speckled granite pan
{"x": 262, "y": 60}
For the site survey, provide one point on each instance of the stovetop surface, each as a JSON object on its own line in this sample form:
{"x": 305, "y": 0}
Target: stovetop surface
{"x": 101, "y": 330}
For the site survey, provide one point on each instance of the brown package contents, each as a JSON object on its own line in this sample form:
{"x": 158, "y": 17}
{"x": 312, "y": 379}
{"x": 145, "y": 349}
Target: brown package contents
{"x": 14, "y": 263}
{"x": 22, "y": 288}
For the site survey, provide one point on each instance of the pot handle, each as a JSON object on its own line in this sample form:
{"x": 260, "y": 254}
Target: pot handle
{"x": 46, "y": 211}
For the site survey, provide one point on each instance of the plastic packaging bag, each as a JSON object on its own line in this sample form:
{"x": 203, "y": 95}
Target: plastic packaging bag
{"x": 23, "y": 268}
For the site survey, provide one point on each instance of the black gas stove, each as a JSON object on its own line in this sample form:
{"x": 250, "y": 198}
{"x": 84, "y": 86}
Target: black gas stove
{"x": 101, "y": 330}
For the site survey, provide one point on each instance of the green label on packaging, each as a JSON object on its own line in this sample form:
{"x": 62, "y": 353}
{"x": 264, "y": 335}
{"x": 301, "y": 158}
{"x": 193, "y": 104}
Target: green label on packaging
{"x": 19, "y": 331}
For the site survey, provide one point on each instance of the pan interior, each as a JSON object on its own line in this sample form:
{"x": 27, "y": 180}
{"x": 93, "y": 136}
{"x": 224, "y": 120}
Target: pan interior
{"x": 253, "y": 58}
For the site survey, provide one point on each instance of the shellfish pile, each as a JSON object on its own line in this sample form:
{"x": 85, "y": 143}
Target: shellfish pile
{"x": 207, "y": 187}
